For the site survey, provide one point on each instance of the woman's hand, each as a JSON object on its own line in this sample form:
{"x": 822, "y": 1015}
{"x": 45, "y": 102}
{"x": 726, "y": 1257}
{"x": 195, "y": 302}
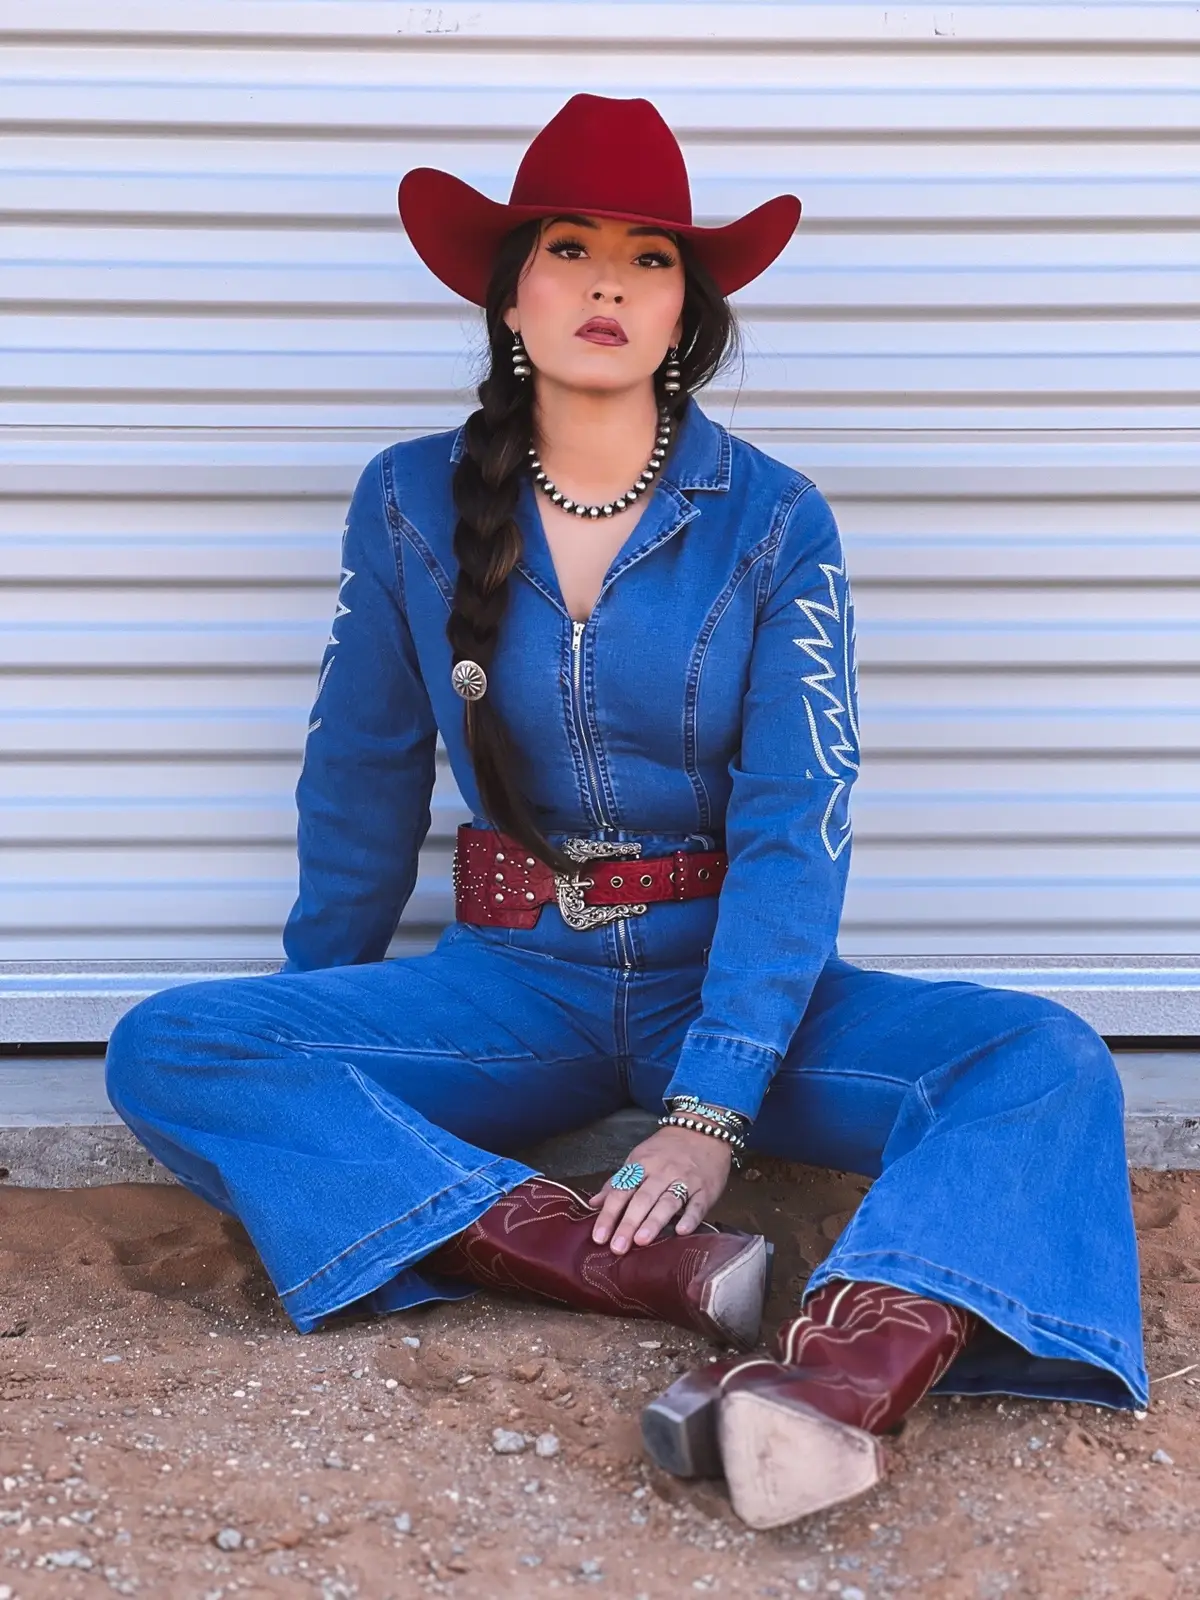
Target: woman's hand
{"x": 669, "y": 1155}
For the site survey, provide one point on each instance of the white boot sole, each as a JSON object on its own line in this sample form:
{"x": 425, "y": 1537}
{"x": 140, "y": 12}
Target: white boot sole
{"x": 783, "y": 1460}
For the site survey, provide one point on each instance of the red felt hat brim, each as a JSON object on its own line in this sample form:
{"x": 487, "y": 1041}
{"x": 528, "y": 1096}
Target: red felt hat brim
{"x": 456, "y": 231}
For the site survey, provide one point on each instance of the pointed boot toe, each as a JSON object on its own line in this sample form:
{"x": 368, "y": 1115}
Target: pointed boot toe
{"x": 734, "y": 1291}
{"x": 784, "y": 1459}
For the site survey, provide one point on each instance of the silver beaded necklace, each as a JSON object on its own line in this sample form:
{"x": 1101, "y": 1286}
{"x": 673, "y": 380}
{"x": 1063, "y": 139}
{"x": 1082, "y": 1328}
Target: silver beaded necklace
{"x": 645, "y": 478}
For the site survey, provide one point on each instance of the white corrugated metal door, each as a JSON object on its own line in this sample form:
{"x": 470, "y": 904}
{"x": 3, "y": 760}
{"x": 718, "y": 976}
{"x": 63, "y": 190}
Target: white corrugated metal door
{"x": 982, "y": 344}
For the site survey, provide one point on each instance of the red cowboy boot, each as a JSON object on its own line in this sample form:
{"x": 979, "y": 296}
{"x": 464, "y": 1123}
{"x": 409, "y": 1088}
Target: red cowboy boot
{"x": 538, "y": 1240}
{"x": 798, "y": 1434}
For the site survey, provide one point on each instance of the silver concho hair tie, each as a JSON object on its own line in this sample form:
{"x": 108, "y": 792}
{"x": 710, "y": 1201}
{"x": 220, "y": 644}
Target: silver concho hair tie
{"x": 469, "y": 680}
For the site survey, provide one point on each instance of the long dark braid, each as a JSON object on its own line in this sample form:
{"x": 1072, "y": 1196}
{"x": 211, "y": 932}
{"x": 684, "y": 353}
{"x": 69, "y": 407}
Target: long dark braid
{"x": 487, "y": 540}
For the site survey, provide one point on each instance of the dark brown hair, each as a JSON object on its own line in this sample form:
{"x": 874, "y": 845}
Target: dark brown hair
{"x": 487, "y": 540}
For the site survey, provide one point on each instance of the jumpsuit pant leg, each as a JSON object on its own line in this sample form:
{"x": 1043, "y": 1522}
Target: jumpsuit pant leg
{"x": 992, "y": 1123}
{"x": 354, "y": 1118}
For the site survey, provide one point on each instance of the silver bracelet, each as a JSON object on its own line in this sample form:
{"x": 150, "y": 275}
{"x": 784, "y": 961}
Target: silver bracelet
{"x": 733, "y": 1140}
{"x": 692, "y": 1105}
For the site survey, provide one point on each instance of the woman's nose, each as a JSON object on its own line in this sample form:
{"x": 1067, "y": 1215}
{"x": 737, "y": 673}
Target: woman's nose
{"x": 608, "y": 292}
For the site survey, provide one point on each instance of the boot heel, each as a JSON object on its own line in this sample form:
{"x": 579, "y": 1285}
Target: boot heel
{"x": 679, "y": 1429}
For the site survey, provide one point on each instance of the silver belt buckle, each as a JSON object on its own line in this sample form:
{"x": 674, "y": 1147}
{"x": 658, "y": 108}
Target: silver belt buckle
{"x": 569, "y": 889}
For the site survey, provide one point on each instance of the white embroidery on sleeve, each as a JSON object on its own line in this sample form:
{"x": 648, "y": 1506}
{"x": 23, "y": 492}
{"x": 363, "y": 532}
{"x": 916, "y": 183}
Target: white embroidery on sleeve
{"x": 831, "y": 704}
{"x": 341, "y": 609}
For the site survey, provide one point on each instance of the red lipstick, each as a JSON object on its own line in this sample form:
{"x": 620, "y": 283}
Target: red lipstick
{"x": 602, "y": 330}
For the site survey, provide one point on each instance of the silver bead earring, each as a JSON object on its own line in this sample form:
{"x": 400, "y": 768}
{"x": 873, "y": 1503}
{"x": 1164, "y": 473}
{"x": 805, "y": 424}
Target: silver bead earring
{"x": 671, "y": 373}
{"x": 520, "y": 359}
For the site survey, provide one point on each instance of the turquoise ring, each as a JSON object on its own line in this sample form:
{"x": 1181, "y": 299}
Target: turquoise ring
{"x": 629, "y": 1176}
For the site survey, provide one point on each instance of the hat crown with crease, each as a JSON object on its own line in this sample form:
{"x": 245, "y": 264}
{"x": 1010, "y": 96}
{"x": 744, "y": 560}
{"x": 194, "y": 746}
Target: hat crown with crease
{"x": 596, "y": 157}
{"x": 622, "y": 158}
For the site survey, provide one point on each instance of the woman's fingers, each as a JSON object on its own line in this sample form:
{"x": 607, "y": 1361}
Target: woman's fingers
{"x": 638, "y": 1216}
{"x": 664, "y": 1208}
{"x": 615, "y": 1201}
{"x": 693, "y": 1215}
{"x": 623, "y": 1211}
{"x": 651, "y": 1209}
{"x": 629, "y": 1216}
{"x": 642, "y": 1201}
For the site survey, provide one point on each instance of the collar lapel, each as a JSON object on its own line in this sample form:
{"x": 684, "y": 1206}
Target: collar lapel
{"x": 700, "y": 461}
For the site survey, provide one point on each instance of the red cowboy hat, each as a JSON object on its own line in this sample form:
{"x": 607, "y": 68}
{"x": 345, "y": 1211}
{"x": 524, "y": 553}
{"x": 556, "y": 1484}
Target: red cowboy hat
{"x": 596, "y": 157}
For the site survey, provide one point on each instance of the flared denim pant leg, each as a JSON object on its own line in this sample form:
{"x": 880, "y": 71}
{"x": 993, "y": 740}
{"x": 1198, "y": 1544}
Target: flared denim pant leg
{"x": 992, "y": 1123}
{"x": 357, "y": 1117}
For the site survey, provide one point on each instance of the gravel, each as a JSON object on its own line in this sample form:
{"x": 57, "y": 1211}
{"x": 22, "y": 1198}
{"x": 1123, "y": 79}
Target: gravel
{"x": 1087, "y": 1515}
{"x": 64, "y": 1558}
{"x": 506, "y": 1442}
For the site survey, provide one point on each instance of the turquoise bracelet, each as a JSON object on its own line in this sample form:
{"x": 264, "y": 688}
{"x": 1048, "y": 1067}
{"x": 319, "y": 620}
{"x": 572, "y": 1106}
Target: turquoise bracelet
{"x": 690, "y": 1105}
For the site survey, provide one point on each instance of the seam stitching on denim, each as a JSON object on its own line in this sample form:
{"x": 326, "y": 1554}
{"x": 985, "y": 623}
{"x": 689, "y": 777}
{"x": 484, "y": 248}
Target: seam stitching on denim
{"x": 1035, "y": 1317}
{"x": 396, "y": 1222}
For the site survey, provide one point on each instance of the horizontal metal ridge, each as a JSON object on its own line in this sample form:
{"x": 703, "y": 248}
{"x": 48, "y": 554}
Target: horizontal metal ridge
{"x": 57, "y": 1001}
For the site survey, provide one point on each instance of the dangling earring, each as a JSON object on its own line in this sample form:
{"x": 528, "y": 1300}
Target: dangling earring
{"x": 671, "y": 373}
{"x": 520, "y": 359}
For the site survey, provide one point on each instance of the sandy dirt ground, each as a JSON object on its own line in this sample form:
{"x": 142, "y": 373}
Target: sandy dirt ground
{"x": 164, "y": 1431}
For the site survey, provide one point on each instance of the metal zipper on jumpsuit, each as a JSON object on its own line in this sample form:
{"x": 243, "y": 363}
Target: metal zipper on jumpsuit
{"x": 593, "y": 770}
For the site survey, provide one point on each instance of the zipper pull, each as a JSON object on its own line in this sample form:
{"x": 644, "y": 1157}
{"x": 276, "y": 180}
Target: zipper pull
{"x": 576, "y": 653}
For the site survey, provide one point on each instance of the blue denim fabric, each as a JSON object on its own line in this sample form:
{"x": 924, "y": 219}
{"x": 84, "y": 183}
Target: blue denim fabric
{"x": 354, "y": 1112}
{"x": 355, "y": 1117}
{"x": 709, "y": 698}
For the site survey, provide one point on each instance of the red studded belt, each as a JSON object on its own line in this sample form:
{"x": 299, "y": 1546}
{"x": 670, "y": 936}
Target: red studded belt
{"x": 499, "y": 883}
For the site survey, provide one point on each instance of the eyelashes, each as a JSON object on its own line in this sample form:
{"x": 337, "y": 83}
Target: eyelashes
{"x": 563, "y": 243}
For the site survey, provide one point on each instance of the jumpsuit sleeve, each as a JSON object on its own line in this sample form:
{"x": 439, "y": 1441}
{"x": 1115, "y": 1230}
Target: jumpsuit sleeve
{"x": 363, "y": 795}
{"x": 787, "y": 824}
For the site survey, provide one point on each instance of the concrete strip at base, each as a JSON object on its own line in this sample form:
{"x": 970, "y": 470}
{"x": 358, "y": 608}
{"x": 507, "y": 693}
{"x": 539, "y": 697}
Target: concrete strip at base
{"x": 1163, "y": 1143}
{"x": 76, "y": 1156}
{"x": 57, "y": 1129}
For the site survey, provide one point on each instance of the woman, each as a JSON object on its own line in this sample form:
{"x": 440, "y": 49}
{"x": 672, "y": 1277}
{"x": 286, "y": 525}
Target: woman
{"x": 636, "y": 636}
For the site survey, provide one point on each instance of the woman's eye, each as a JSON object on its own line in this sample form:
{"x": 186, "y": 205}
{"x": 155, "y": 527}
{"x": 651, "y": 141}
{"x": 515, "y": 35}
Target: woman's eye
{"x": 568, "y": 249}
{"x": 656, "y": 258}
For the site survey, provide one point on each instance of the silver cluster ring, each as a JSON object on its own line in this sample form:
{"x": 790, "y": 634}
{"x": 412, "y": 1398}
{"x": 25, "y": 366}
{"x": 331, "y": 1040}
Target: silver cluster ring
{"x": 680, "y": 1190}
{"x": 630, "y": 1176}
{"x": 469, "y": 680}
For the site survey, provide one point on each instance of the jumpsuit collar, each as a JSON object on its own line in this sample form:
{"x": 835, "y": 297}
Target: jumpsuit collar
{"x": 700, "y": 461}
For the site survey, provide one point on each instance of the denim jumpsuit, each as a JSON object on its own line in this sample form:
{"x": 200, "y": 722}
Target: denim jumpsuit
{"x": 355, "y": 1111}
